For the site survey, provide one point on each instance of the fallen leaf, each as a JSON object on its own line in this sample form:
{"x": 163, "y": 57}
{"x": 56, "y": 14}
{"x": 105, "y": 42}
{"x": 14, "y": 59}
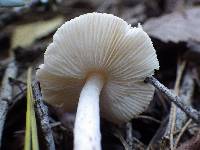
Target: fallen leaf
{"x": 176, "y": 27}
{"x": 24, "y": 35}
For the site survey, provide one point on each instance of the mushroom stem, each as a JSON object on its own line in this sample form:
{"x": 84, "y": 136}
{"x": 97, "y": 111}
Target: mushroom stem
{"x": 87, "y": 134}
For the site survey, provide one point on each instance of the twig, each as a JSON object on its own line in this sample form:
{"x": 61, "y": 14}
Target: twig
{"x": 192, "y": 113}
{"x": 149, "y": 118}
{"x": 192, "y": 144}
{"x": 139, "y": 145}
{"x": 186, "y": 93}
{"x": 173, "y": 110}
{"x": 163, "y": 102}
{"x": 189, "y": 127}
{"x": 6, "y": 94}
{"x": 116, "y": 132}
{"x": 42, "y": 114}
{"x": 129, "y": 136}
{"x": 155, "y": 141}
{"x": 181, "y": 132}
{"x": 55, "y": 124}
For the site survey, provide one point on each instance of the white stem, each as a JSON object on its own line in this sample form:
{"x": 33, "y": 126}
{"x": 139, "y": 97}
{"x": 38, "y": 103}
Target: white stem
{"x": 87, "y": 134}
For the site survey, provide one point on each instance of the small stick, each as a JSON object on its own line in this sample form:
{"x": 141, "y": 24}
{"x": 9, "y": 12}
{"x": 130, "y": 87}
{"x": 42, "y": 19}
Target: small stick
{"x": 192, "y": 113}
{"x": 6, "y": 94}
{"x": 119, "y": 135}
{"x": 148, "y": 118}
{"x": 129, "y": 136}
{"x": 173, "y": 110}
{"x": 156, "y": 142}
{"x": 42, "y": 113}
{"x": 181, "y": 132}
{"x": 186, "y": 93}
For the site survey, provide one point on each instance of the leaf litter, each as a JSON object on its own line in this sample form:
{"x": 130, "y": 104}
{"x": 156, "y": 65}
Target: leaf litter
{"x": 175, "y": 35}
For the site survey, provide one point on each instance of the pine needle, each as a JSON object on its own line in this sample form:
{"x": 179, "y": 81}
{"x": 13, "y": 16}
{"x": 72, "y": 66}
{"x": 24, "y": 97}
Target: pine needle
{"x": 31, "y": 137}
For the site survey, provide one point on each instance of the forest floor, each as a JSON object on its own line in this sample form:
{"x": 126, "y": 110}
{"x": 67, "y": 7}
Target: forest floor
{"x": 174, "y": 27}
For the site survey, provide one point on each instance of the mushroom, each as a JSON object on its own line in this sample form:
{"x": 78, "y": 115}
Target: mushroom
{"x": 104, "y": 60}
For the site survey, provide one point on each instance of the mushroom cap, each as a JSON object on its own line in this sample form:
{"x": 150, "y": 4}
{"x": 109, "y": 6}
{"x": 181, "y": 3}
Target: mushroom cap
{"x": 104, "y": 44}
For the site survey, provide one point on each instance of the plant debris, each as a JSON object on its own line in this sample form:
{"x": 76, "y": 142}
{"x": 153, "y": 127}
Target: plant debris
{"x": 174, "y": 27}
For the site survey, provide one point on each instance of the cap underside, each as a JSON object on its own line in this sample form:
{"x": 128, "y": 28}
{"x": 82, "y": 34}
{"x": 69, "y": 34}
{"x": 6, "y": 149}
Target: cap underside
{"x": 102, "y": 43}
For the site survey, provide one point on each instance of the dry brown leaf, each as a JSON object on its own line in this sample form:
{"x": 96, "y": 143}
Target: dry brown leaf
{"x": 176, "y": 27}
{"x": 26, "y": 34}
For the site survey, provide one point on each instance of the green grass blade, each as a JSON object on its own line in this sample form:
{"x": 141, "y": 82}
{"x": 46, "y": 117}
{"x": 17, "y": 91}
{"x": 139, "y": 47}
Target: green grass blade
{"x": 28, "y": 118}
{"x": 31, "y": 137}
